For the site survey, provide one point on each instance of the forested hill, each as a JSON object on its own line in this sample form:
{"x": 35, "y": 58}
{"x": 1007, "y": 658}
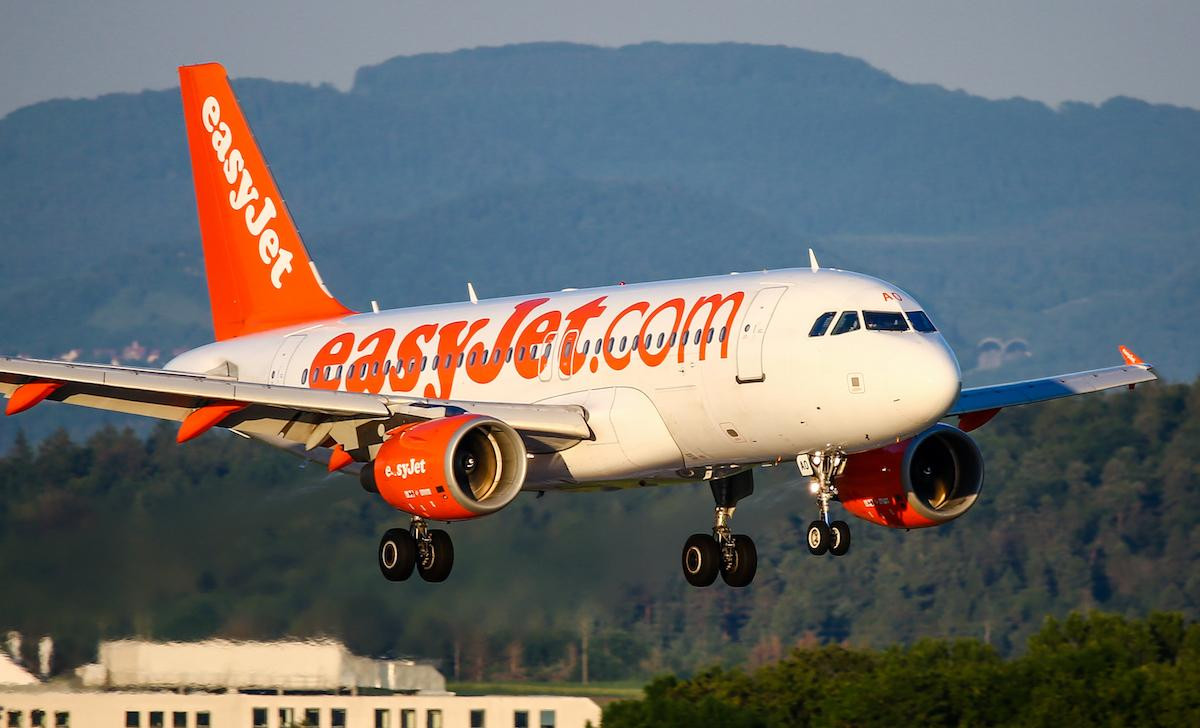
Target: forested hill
{"x": 1089, "y": 503}
{"x": 1056, "y": 231}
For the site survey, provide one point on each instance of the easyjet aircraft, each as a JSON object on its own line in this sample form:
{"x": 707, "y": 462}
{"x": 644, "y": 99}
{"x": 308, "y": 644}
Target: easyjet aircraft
{"x": 449, "y": 411}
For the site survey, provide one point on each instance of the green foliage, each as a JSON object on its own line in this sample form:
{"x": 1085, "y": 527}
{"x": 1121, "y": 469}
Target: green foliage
{"x": 1092, "y": 503}
{"x": 1098, "y": 669}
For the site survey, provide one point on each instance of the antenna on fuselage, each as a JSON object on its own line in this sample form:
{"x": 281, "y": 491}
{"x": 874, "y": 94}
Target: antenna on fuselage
{"x": 812, "y": 261}
{"x": 471, "y": 293}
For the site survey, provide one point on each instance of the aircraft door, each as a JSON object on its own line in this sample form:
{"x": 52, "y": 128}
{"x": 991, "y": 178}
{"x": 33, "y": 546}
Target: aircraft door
{"x": 568, "y": 354}
{"x": 546, "y": 362}
{"x": 754, "y": 330}
{"x": 283, "y": 357}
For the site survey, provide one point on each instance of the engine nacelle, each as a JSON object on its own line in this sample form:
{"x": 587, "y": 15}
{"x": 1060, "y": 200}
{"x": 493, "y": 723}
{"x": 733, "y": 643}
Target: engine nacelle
{"x": 926, "y": 480}
{"x": 449, "y": 469}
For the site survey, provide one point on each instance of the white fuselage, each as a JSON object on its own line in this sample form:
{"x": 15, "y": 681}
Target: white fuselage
{"x": 750, "y": 385}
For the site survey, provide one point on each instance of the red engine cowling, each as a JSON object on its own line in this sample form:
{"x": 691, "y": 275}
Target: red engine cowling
{"x": 924, "y": 481}
{"x": 449, "y": 469}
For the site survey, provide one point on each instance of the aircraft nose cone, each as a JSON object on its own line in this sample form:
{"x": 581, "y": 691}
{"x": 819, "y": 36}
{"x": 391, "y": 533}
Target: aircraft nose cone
{"x": 926, "y": 378}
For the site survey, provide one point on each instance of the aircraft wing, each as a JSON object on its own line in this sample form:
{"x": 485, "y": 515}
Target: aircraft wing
{"x": 282, "y": 414}
{"x": 977, "y": 405}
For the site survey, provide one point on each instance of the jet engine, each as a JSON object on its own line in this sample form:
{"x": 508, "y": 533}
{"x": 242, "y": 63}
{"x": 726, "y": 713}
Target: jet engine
{"x": 927, "y": 480}
{"x": 449, "y": 469}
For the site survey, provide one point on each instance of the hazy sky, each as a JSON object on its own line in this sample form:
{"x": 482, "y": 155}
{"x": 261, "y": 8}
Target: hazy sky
{"x": 1051, "y": 50}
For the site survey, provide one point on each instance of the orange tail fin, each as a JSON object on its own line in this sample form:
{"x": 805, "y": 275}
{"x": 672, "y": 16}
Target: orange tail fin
{"x": 259, "y": 274}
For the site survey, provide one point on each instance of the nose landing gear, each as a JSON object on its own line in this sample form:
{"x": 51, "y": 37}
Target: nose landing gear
{"x": 733, "y": 556}
{"x": 825, "y": 536}
{"x": 431, "y": 552}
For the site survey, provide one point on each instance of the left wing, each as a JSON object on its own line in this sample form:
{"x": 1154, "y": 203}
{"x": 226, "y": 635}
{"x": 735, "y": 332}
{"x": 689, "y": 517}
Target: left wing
{"x": 285, "y": 415}
{"x": 977, "y": 405}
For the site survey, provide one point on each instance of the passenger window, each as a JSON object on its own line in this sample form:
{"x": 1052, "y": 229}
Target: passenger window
{"x": 586, "y": 345}
{"x": 848, "y": 322}
{"x": 567, "y": 349}
{"x": 533, "y": 351}
{"x": 375, "y": 368}
{"x": 721, "y": 338}
{"x": 460, "y": 360}
{"x": 424, "y": 362}
{"x": 708, "y": 339}
{"x": 921, "y": 322}
{"x": 508, "y": 356}
{"x": 699, "y": 333}
{"x": 661, "y": 337}
{"x": 821, "y": 325}
{"x": 449, "y": 360}
{"x": 471, "y": 359}
{"x": 633, "y": 344}
{"x": 673, "y": 335}
{"x": 521, "y": 354}
{"x": 884, "y": 321}
{"x": 437, "y": 360}
{"x": 304, "y": 377}
{"x": 339, "y": 373}
{"x": 624, "y": 340}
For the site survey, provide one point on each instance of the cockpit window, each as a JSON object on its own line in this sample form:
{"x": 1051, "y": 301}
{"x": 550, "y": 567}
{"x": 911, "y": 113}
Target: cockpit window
{"x": 884, "y": 321}
{"x": 846, "y": 323}
{"x": 921, "y": 322}
{"x": 822, "y": 324}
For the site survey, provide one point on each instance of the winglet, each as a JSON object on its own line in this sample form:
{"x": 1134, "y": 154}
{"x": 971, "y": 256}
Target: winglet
{"x": 812, "y": 261}
{"x": 1129, "y": 357}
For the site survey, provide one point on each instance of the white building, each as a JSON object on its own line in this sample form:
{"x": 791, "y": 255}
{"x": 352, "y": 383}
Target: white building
{"x": 222, "y": 684}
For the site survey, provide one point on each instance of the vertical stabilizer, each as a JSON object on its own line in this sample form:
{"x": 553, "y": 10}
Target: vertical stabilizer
{"x": 259, "y": 274}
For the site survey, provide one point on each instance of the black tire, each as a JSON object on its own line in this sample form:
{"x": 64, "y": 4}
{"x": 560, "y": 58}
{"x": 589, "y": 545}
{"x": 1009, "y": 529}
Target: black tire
{"x": 818, "y": 538}
{"x": 839, "y": 532}
{"x": 745, "y": 563}
{"x": 438, "y": 558}
{"x": 397, "y": 554}
{"x": 701, "y": 559}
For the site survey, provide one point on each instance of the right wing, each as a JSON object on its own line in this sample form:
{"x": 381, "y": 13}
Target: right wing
{"x": 977, "y": 405}
{"x": 289, "y": 416}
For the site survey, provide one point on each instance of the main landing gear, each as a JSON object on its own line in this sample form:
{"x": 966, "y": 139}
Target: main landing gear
{"x": 732, "y": 556}
{"x": 430, "y": 551}
{"x": 825, "y": 536}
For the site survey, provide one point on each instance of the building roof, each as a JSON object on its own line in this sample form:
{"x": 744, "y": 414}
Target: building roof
{"x": 319, "y": 665}
{"x": 13, "y": 674}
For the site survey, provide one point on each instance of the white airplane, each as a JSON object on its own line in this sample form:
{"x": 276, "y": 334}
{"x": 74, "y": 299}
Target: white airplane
{"x": 449, "y": 411}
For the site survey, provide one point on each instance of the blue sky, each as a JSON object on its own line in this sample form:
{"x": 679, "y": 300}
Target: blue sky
{"x": 1049, "y": 51}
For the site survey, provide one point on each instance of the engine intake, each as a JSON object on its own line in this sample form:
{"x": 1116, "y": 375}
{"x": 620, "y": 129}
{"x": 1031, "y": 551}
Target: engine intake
{"x": 927, "y": 480}
{"x": 449, "y": 469}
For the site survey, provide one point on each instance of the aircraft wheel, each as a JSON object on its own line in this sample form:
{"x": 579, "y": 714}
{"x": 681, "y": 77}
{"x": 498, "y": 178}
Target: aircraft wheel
{"x": 839, "y": 532}
{"x": 740, "y": 570}
{"x": 436, "y": 557}
{"x": 397, "y": 554}
{"x": 701, "y": 559}
{"x": 818, "y": 538}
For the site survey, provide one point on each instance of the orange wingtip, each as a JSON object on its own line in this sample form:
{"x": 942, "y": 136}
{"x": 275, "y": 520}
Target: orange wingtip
{"x": 1129, "y": 356}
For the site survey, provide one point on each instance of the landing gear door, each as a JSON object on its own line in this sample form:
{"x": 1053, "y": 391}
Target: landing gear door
{"x": 752, "y": 334}
{"x": 283, "y": 359}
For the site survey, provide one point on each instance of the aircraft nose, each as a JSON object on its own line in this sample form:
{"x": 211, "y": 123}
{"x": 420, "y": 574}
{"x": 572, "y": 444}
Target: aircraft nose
{"x": 926, "y": 377}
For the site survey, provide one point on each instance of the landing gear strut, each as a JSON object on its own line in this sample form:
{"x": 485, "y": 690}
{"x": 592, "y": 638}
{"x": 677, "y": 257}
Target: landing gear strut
{"x": 733, "y": 556}
{"x": 430, "y": 551}
{"x": 825, "y": 536}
